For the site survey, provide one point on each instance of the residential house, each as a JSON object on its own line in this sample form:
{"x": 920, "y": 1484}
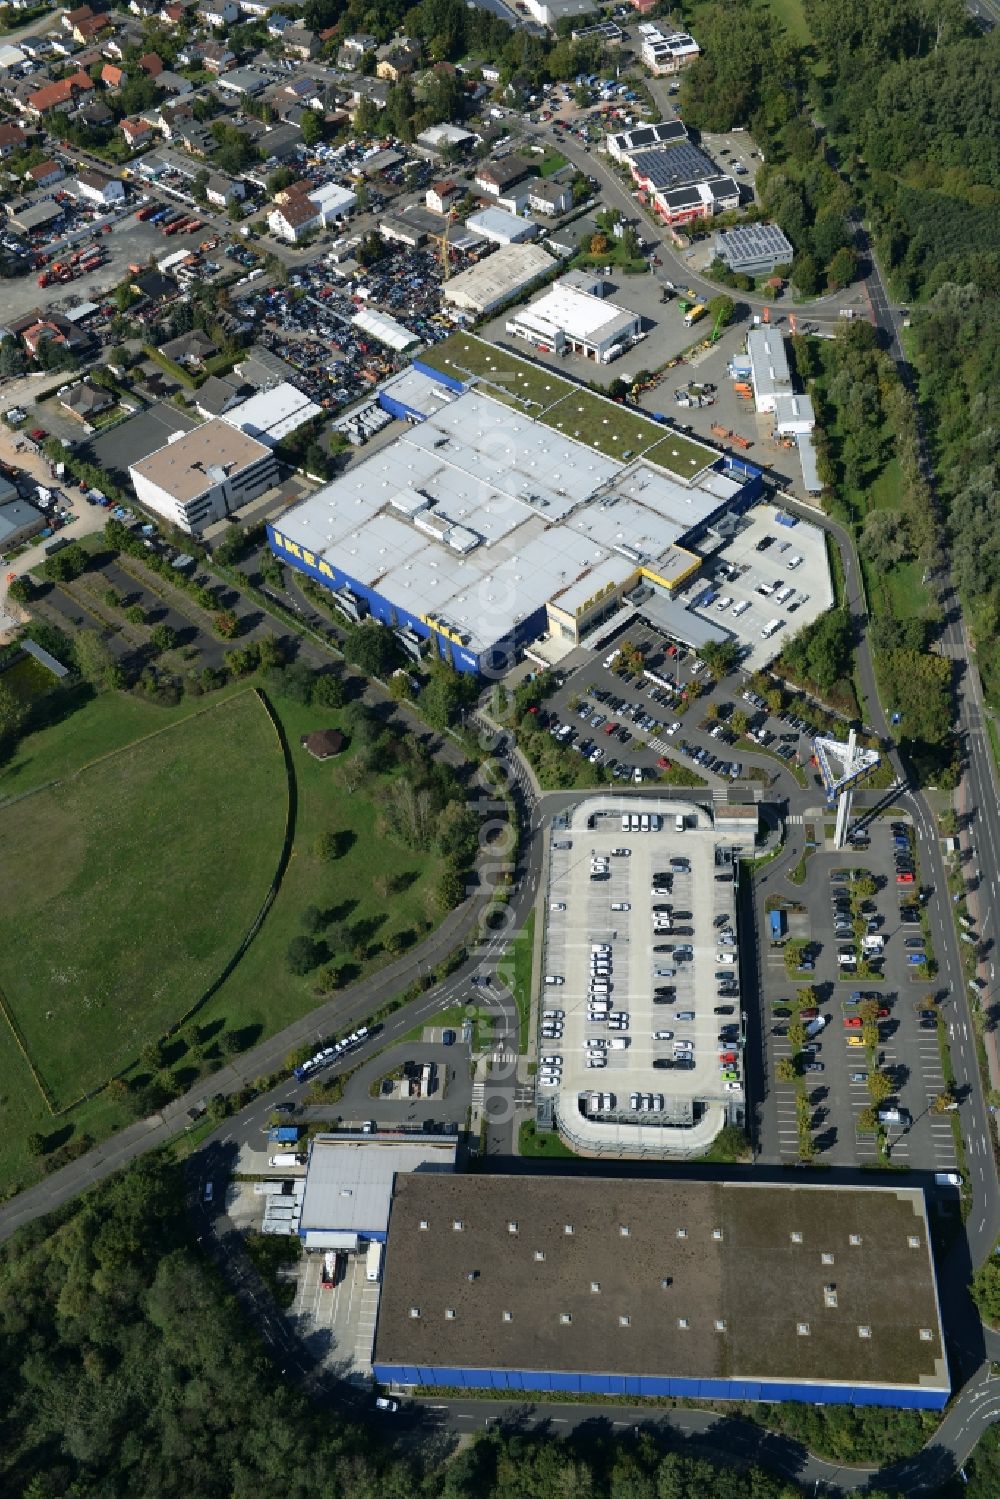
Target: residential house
{"x": 191, "y": 349}
{"x": 248, "y": 82}
{"x": 216, "y": 57}
{"x": 111, "y": 76}
{"x": 222, "y": 190}
{"x": 278, "y": 24}
{"x": 58, "y": 96}
{"x": 90, "y": 28}
{"x": 353, "y": 49}
{"x": 12, "y": 138}
{"x": 35, "y": 47}
{"x": 495, "y": 177}
{"x": 282, "y": 142}
{"x": 490, "y": 72}
{"x": 95, "y": 115}
{"x": 151, "y": 64}
{"x": 45, "y": 174}
{"x": 174, "y": 84}
{"x": 295, "y": 218}
{"x": 219, "y": 13}
{"x": 144, "y": 9}
{"x": 85, "y": 400}
{"x": 440, "y": 196}
{"x": 72, "y": 18}
{"x": 96, "y": 188}
{"x": 549, "y": 197}
{"x": 397, "y": 59}
{"x": 193, "y": 137}
{"x": 136, "y": 132}
{"x": 300, "y": 42}
{"x": 218, "y": 394}
{"x": 172, "y": 15}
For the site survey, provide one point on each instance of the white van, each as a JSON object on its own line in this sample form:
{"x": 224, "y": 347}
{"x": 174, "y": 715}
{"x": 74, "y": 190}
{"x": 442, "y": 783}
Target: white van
{"x": 654, "y": 822}
{"x": 766, "y": 589}
{"x": 679, "y": 823}
{"x": 626, "y": 823}
{"x": 619, "y": 1043}
{"x": 741, "y": 608}
{"x": 771, "y": 628}
{"x": 609, "y": 661}
{"x": 724, "y": 603}
{"x": 794, "y": 562}
{"x": 643, "y": 823}
{"x": 784, "y": 595}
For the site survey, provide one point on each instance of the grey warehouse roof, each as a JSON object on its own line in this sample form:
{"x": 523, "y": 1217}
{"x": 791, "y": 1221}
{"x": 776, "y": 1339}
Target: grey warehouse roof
{"x": 691, "y": 1279}
{"x": 349, "y": 1182}
{"x": 754, "y": 242}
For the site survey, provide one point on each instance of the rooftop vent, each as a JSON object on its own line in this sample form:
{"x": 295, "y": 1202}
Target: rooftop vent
{"x": 720, "y": 1324}
{"x": 624, "y": 1320}
{"x": 913, "y": 1241}
{"x": 458, "y": 1225}
{"x": 623, "y": 1230}
{"x": 565, "y": 1318}
{"x": 567, "y": 1228}
{"x": 425, "y": 1223}
{"x": 717, "y": 1234}
{"x": 854, "y": 1239}
{"x": 539, "y": 1254}
{"x": 414, "y": 1311}
{"x": 926, "y": 1335}
{"x": 864, "y": 1332}
{"x": 682, "y": 1233}
{"x": 683, "y": 1323}
{"x": 508, "y": 1316}
{"x": 830, "y": 1295}
{"x": 802, "y": 1328}
{"x": 512, "y": 1226}
{"x": 449, "y": 1313}
{"x": 795, "y": 1236}
{"x": 826, "y": 1257}
{"x": 595, "y": 1286}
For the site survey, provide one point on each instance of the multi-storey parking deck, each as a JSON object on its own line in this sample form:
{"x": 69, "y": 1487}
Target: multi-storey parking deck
{"x": 640, "y": 994}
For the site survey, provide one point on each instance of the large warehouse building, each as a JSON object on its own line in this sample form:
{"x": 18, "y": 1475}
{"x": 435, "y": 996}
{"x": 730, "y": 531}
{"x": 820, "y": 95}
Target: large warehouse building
{"x": 706, "y": 1290}
{"x": 482, "y": 528}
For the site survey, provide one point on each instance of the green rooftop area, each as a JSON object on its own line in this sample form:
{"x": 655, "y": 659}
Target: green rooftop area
{"x": 568, "y": 408}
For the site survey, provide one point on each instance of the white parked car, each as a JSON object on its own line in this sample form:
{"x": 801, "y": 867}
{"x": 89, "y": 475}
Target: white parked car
{"x": 557, "y": 905}
{"x": 620, "y": 905}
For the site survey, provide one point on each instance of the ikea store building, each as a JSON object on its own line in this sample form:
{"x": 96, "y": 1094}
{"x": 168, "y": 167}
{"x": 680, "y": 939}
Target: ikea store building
{"x": 702, "y": 1289}
{"x": 481, "y": 528}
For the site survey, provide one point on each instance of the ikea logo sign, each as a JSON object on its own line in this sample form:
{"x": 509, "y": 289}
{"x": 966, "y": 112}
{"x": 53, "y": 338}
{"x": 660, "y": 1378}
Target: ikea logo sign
{"x": 303, "y": 554}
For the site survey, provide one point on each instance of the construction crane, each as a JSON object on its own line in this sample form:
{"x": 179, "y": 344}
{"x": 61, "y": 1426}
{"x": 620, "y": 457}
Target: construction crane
{"x": 718, "y": 327}
{"x": 445, "y": 256}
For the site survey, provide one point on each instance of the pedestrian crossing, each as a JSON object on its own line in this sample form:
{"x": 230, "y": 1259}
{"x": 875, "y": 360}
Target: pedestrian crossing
{"x": 478, "y": 1095}
{"x": 795, "y": 820}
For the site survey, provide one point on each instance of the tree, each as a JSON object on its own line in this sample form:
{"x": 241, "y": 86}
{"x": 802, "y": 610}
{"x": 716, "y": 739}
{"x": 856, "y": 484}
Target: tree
{"x": 842, "y": 269}
{"x": 316, "y": 461}
{"x": 885, "y": 539}
{"x": 868, "y": 1119}
{"x": 163, "y": 637}
{"x": 943, "y": 1102}
{"x": 458, "y": 834}
{"x": 226, "y": 623}
{"x": 880, "y": 1086}
{"x": 327, "y": 847}
{"x": 303, "y": 955}
{"x": 371, "y": 646}
{"x": 67, "y": 564}
{"x": 599, "y": 244}
{"x": 786, "y": 1070}
{"x": 13, "y": 361}
{"x": 720, "y": 656}
{"x": 451, "y": 889}
{"x": 366, "y": 120}
{"x": 95, "y": 661}
{"x": 35, "y": 1144}
{"x": 721, "y": 309}
{"x": 312, "y": 127}
{"x": 329, "y": 691}
{"x": 21, "y": 590}
{"x": 805, "y": 273}
{"x": 313, "y": 920}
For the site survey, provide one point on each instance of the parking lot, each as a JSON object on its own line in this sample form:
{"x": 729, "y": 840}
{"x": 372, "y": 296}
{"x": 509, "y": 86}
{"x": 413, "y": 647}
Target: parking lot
{"x": 772, "y": 579}
{"x": 892, "y": 993}
{"x": 640, "y": 996}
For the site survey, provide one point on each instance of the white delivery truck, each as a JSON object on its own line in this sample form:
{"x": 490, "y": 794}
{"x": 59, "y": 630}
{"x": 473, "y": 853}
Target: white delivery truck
{"x": 286, "y": 1158}
{"x": 373, "y": 1262}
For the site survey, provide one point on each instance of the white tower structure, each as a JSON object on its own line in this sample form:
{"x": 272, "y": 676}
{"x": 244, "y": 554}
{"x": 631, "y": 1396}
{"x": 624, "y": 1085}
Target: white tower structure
{"x": 842, "y": 766}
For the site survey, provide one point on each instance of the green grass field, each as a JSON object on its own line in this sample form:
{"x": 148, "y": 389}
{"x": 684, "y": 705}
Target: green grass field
{"x": 260, "y": 995}
{"x": 136, "y": 880}
{"x": 566, "y": 407}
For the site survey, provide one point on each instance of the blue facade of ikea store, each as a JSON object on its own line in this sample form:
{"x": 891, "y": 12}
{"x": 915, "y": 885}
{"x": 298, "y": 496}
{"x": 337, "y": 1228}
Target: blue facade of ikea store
{"x": 526, "y": 1381}
{"x": 496, "y": 657}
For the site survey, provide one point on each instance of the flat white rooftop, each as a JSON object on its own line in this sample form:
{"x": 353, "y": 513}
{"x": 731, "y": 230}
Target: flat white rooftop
{"x": 581, "y": 316}
{"x": 480, "y": 515}
{"x": 273, "y": 414}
